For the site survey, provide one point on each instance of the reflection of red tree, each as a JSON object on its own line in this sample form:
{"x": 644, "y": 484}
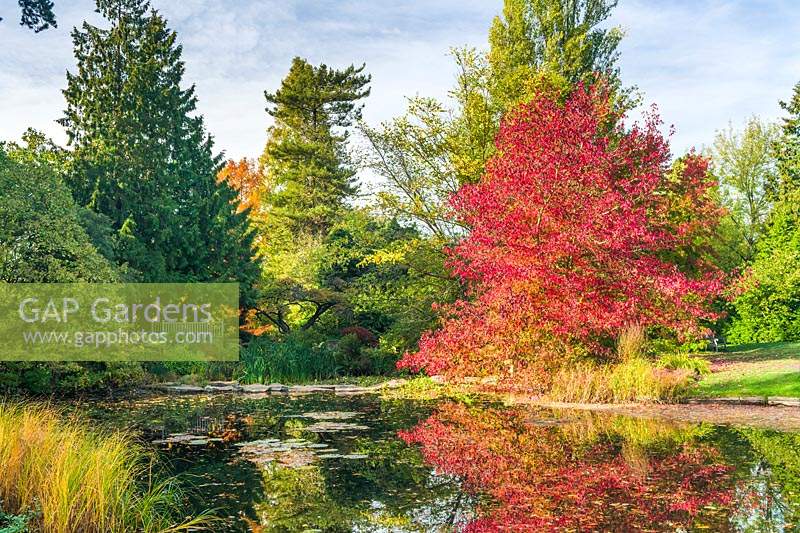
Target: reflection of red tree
{"x": 540, "y": 481}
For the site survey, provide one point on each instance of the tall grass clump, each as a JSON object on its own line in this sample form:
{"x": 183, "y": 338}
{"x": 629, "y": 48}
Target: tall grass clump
{"x": 631, "y": 342}
{"x": 68, "y": 478}
{"x": 634, "y": 380}
{"x": 677, "y": 361}
{"x": 293, "y": 359}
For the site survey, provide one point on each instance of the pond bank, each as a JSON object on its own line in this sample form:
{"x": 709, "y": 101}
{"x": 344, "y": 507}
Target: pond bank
{"x": 274, "y": 388}
{"x": 769, "y": 413}
{"x": 781, "y": 418}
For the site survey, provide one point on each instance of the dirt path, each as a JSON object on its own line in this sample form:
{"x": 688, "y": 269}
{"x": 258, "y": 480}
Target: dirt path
{"x": 768, "y": 417}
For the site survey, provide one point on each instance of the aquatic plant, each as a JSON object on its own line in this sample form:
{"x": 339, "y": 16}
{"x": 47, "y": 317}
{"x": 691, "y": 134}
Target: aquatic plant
{"x": 74, "y": 479}
{"x": 293, "y": 359}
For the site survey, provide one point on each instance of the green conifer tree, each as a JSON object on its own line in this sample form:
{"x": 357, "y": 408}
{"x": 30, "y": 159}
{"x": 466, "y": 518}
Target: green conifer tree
{"x": 788, "y": 147}
{"x": 306, "y": 155}
{"x": 142, "y": 156}
{"x": 37, "y": 14}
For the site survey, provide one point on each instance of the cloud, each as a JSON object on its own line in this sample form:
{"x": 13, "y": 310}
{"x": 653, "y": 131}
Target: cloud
{"x": 703, "y": 62}
{"x": 710, "y": 62}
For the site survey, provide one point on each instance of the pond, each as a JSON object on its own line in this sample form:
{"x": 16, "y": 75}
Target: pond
{"x": 324, "y": 462}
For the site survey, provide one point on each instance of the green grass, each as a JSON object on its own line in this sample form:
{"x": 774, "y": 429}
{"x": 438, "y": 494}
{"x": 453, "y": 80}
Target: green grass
{"x": 761, "y": 370}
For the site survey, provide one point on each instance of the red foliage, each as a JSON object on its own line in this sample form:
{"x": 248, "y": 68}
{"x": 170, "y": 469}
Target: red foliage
{"x": 365, "y": 336}
{"x": 541, "y": 481}
{"x": 577, "y": 229}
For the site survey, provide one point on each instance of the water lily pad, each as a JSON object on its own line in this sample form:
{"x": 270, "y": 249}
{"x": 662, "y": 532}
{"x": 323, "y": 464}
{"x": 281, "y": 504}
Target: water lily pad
{"x": 331, "y": 415}
{"x": 331, "y": 427}
{"x": 293, "y": 453}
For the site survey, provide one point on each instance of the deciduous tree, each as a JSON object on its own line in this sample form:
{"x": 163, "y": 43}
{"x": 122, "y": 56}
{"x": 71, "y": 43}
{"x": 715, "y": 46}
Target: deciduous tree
{"x": 35, "y": 206}
{"x": 744, "y": 162}
{"x": 574, "y": 228}
{"x": 766, "y": 299}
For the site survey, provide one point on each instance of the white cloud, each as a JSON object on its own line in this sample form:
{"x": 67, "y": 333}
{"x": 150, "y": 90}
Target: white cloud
{"x": 704, "y": 63}
{"x": 710, "y": 62}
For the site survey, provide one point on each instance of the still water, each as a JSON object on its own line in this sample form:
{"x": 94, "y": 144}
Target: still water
{"x": 363, "y": 463}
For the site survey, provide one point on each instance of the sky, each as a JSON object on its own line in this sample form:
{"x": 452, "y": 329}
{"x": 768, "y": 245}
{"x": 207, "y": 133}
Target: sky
{"x": 704, "y": 63}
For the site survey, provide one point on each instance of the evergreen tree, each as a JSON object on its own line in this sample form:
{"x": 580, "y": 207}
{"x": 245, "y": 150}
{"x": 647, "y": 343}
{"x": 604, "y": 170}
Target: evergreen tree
{"x": 142, "y": 156}
{"x": 37, "y": 14}
{"x": 306, "y": 156}
{"x": 788, "y": 147}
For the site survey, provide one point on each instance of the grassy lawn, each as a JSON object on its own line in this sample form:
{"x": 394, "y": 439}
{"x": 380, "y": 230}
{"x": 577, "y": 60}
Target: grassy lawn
{"x": 753, "y": 370}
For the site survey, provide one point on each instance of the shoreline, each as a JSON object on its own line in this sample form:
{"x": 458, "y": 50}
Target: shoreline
{"x": 775, "y": 417}
{"x": 777, "y": 413}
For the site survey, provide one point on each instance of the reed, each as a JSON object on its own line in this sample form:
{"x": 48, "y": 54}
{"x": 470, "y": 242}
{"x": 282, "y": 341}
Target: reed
{"x": 634, "y": 380}
{"x": 631, "y": 342}
{"x": 69, "y": 478}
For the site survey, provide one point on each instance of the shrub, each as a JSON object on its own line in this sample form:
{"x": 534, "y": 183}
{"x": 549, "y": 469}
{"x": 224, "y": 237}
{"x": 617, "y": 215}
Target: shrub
{"x": 355, "y": 357}
{"x": 382, "y": 362}
{"x": 67, "y": 377}
{"x": 682, "y": 361}
{"x": 14, "y": 523}
{"x": 365, "y": 336}
{"x": 765, "y": 300}
{"x": 195, "y": 372}
{"x": 670, "y": 345}
{"x": 66, "y": 478}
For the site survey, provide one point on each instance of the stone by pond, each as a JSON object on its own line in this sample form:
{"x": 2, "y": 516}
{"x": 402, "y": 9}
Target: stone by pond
{"x": 274, "y": 388}
{"x": 330, "y": 462}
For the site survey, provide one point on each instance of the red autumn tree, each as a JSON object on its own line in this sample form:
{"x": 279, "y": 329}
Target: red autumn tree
{"x": 578, "y": 228}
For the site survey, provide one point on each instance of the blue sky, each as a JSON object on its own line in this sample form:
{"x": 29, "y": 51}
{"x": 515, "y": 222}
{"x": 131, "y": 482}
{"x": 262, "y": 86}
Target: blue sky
{"x": 705, "y": 63}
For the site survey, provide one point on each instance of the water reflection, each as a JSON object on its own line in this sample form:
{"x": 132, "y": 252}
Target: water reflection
{"x": 330, "y": 463}
{"x": 322, "y": 463}
{"x": 583, "y": 472}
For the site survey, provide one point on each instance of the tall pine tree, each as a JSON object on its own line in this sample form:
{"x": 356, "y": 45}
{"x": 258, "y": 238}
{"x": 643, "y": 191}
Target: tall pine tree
{"x": 306, "y": 155}
{"x": 142, "y": 156}
{"x": 307, "y": 179}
